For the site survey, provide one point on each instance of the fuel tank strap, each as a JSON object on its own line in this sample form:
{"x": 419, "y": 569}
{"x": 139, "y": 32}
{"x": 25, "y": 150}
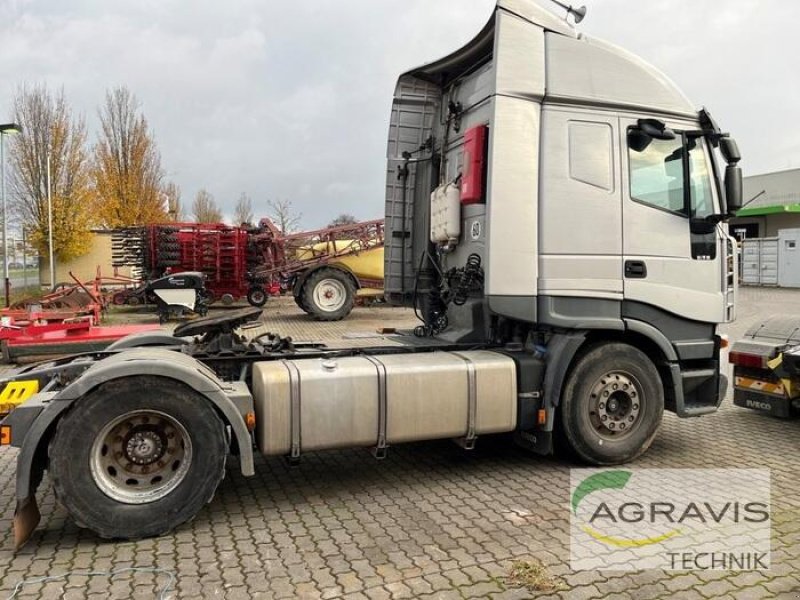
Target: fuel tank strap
{"x": 472, "y": 391}
{"x": 294, "y": 409}
{"x": 380, "y": 448}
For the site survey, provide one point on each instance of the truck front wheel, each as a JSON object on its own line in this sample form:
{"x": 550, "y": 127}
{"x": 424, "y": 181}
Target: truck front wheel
{"x": 138, "y": 457}
{"x": 329, "y": 294}
{"x": 612, "y": 404}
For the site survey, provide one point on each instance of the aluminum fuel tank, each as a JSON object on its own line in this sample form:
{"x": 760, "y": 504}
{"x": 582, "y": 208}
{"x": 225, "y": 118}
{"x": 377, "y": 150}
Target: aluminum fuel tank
{"x": 317, "y": 404}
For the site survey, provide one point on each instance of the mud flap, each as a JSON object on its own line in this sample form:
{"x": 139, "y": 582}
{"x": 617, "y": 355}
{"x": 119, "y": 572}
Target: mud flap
{"x": 26, "y": 518}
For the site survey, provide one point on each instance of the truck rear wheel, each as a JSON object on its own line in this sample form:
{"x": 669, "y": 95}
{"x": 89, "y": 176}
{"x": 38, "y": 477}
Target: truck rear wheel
{"x": 329, "y": 294}
{"x": 612, "y": 404}
{"x": 138, "y": 457}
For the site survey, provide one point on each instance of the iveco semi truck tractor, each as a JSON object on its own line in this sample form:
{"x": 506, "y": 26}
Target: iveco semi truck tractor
{"x": 554, "y": 211}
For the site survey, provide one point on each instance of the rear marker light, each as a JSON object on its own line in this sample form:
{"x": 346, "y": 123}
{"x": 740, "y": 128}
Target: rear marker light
{"x": 748, "y": 360}
{"x": 5, "y": 435}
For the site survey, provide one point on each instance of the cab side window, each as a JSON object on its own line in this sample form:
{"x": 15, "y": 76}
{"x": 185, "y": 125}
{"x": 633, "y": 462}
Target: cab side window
{"x": 657, "y": 172}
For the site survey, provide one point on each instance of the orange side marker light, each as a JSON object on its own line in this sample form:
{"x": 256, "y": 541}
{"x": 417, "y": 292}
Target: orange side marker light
{"x": 250, "y": 421}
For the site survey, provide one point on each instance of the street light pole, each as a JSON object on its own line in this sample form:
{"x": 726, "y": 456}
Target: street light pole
{"x": 5, "y": 129}
{"x": 50, "y": 227}
{"x": 24, "y": 260}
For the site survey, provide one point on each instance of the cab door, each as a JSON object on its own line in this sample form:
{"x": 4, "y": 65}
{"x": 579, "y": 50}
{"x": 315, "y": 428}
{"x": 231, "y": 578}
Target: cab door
{"x": 665, "y": 265}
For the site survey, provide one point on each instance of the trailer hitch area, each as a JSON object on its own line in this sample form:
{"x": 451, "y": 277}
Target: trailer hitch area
{"x": 26, "y": 518}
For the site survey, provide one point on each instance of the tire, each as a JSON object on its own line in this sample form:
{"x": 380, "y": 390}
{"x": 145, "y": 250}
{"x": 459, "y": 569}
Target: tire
{"x": 89, "y": 483}
{"x": 226, "y": 299}
{"x": 119, "y": 299}
{"x": 298, "y": 299}
{"x": 612, "y": 404}
{"x": 256, "y": 297}
{"x": 329, "y": 294}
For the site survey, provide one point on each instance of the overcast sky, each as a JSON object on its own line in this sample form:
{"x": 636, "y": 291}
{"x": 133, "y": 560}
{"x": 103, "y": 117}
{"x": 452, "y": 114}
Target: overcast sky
{"x": 291, "y": 100}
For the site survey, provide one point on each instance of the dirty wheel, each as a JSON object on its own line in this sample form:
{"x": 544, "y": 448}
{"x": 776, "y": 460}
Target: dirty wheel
{"x": 137, "y": 458}
{"x": 329, "y": 294}
{"x": 612, "y": 404}
{"x": 257, "y": 297}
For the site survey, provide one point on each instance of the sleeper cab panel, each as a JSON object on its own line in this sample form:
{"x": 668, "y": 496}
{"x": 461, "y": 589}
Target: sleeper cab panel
{"x": 427, "y": 397}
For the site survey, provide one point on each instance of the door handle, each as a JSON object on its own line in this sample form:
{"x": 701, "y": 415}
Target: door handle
{"x": 635, "y": 269}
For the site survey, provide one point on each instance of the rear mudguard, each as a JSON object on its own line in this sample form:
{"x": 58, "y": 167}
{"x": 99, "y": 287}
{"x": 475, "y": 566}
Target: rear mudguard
{"x": 147, "y": 339}
{"x": 158, "y": 362}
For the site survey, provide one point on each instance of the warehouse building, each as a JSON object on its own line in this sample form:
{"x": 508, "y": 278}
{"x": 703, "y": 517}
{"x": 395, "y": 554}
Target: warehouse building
{"x": 776, "y": 205}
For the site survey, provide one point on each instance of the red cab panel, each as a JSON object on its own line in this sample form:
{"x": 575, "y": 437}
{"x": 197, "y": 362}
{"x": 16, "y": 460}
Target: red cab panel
{"x": 472, "y": 178}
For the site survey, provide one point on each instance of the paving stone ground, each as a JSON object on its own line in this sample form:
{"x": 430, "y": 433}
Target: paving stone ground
{"x": 430, "y": 521}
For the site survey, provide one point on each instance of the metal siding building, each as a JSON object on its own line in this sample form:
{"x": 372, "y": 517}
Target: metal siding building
{"x": 778, "y": 207}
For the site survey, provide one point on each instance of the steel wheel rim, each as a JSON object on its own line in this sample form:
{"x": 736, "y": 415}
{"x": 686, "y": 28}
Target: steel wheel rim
{"x": 140, "y": 457}
{"x": 330, "y": 295}
{"x": 615, "y": 405}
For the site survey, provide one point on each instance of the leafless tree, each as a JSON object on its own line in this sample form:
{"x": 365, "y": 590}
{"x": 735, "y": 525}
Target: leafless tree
{"x": 283, "y": 215}
{"x": 243, "y": 213}
{"x": 127, "y": 164}
{"x": 175, "y": 210}
{"x": 51, "y": 134}
{"x": 205, "y": 209}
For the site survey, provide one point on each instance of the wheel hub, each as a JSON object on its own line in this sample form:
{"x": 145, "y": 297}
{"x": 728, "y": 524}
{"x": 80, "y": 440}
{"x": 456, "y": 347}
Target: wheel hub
{"x": 616, "y": 404}
{"x": 330, "y": 295}
{"x": 144, "y": 447}
{"x": 140, "y": 457}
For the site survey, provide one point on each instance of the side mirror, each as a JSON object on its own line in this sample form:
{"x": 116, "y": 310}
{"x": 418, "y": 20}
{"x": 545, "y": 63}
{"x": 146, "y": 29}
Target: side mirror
{"x": 656, "y": 129}
{"x": 729, "y": 150}
{"x": 733, "y": 188}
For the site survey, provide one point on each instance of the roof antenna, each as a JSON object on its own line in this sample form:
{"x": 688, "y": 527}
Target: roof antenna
{"x": 578, "y": 13}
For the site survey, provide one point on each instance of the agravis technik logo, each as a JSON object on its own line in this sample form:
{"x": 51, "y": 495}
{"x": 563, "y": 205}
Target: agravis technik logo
{"x": 670, "y": 518}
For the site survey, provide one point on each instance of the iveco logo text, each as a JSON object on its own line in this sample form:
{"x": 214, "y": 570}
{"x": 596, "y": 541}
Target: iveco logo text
{"x": 758, "y": 405}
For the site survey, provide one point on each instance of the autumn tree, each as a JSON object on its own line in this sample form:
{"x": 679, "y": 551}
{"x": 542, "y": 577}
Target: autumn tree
{"x": 343, "y": 219}
{"x": 284, "y": 217}
{"x": 172, "y": 196}
{"x": 243, "y": 213}
{"x": 205, "y": 209}
{"x": 127, "y": 169}
{"x": 50, "y": 133}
